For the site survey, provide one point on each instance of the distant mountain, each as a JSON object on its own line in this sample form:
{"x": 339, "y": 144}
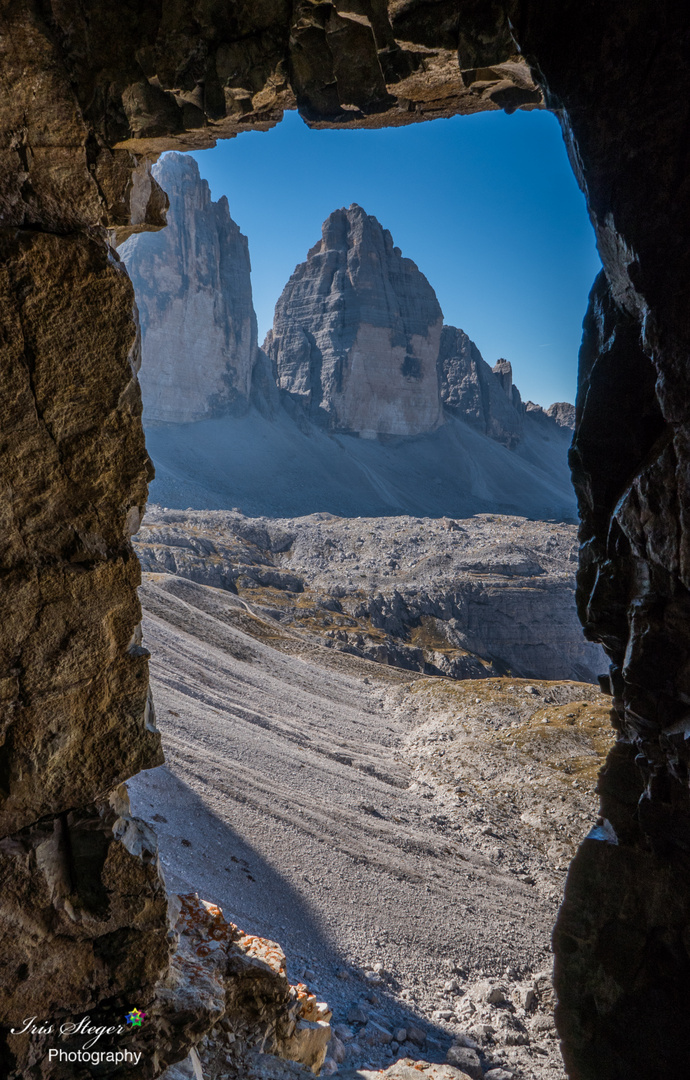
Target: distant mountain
{"x": 478, "y": 394}
{"x": 194, "y": 294}
{"x": 358, "y": 341}
{"x": 356, "y": 333}
{"x": 360, "y": 402}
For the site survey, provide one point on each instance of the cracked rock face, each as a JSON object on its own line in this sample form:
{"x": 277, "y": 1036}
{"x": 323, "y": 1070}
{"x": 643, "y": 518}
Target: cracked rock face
{"x": 236, "y": 984}
{"x": 194, "y": 295}
{"x": 74, "y": 723}
{"x": 356, "y": 331}
{"x": 90, "y": 89}
{"x": 479, "y": 394}
{"x": 358, "y": 341}
{"x": 84, "y": 929}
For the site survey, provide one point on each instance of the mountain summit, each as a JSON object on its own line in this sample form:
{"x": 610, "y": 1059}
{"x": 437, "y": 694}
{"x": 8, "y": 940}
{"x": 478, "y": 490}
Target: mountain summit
{"x": 363, "y": 402}
{"x": 358, "y": 342}
{"x": 193, "y": 289}
{"x": 356, "y": 333}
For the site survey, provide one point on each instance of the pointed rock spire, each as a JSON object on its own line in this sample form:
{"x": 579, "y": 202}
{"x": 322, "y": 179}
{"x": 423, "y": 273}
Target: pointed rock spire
{"x": 193, "y": 289}
{"x": 356, "y": 333}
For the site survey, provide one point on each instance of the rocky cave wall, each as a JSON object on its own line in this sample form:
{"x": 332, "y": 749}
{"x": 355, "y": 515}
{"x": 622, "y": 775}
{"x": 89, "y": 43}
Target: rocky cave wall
{"x": 91, "y": 89}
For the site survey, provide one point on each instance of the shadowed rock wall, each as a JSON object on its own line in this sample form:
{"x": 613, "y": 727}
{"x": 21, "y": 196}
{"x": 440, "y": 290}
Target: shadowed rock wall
{"x": 623, "y": 963}
{"x": 89, "y": 88}
{"x": 83, "y": 919}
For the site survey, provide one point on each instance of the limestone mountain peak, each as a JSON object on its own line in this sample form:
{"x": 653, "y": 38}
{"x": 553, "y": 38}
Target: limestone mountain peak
{"x": 353, "y": 228}
{"x": 356, "y": 332}
{"x": 358, "y": 342}
{"x": 193, "y": 289}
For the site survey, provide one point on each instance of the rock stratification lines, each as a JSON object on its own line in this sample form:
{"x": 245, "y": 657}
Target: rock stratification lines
{"x": 356, "y": 333}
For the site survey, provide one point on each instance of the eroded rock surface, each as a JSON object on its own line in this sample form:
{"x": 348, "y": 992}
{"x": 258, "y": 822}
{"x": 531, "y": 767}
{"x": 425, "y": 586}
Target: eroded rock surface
{"x": 483, "y": 396}
{"x": 75, "y": 485}
{"x": 194, "y": 295}
{"x": 85, "y": 909}
{"x": 83, "y": 922}
{"x": 469, "y": 598}
{"x": 235, "y": 985}
{"x": 358, "y": 342}
{"x": 356, "y": 333}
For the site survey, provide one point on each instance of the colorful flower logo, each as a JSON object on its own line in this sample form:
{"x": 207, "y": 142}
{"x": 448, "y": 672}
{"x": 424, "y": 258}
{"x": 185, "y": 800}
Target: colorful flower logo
{"x": 135, "y": 1018}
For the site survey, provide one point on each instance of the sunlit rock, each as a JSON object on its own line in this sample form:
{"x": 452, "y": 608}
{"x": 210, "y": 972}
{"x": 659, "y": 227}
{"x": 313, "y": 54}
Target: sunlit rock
{"x": 193, "y": 289}
{"x": 356, "y": 333}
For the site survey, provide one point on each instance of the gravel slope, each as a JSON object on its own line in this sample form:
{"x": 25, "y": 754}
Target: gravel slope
{"x": 298, "y": 795}
{"x": 277, "y": 466}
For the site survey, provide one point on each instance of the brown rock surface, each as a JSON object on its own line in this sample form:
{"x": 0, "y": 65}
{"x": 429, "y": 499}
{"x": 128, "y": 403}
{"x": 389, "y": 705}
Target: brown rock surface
{"x": 75, "y": 716}
{"x": 237, "y": 983}
{"x": 86, "y": 910}
{"x": 83, "y": 923}
{"x": 87, "y": 87}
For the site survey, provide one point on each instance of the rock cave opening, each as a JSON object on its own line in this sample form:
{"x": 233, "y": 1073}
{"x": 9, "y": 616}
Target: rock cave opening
{"x": 87, "y": 925}
{"x": 435, "y": 535}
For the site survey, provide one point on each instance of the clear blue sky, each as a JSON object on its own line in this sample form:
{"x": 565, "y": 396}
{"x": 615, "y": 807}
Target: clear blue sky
{"x": 486, "y": 205}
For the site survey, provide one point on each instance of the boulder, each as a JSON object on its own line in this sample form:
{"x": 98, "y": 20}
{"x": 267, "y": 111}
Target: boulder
{"x": 462, "y": 1057}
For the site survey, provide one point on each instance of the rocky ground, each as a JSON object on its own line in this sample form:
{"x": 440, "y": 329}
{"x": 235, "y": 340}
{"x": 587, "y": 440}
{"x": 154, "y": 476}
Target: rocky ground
{"x": 469, "y": 598}
{"x": 404, "y": 837}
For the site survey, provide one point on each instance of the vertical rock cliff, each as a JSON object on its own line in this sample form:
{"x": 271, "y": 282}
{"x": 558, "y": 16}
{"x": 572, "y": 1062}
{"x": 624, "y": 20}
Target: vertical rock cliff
{"x": 358, "y": 341}
{"x": 194, "y": 294}
{"x": 482, "y": 396}
{"x": 357, "y": 338}
{"x": 356, "y": 332}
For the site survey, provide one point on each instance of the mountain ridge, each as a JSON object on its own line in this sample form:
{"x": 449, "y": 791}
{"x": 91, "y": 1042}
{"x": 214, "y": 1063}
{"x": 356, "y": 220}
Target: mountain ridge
{"x": 358, "y": 353}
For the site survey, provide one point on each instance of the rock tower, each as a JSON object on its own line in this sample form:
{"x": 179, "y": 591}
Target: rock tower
{"x": 194, "y": 294}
